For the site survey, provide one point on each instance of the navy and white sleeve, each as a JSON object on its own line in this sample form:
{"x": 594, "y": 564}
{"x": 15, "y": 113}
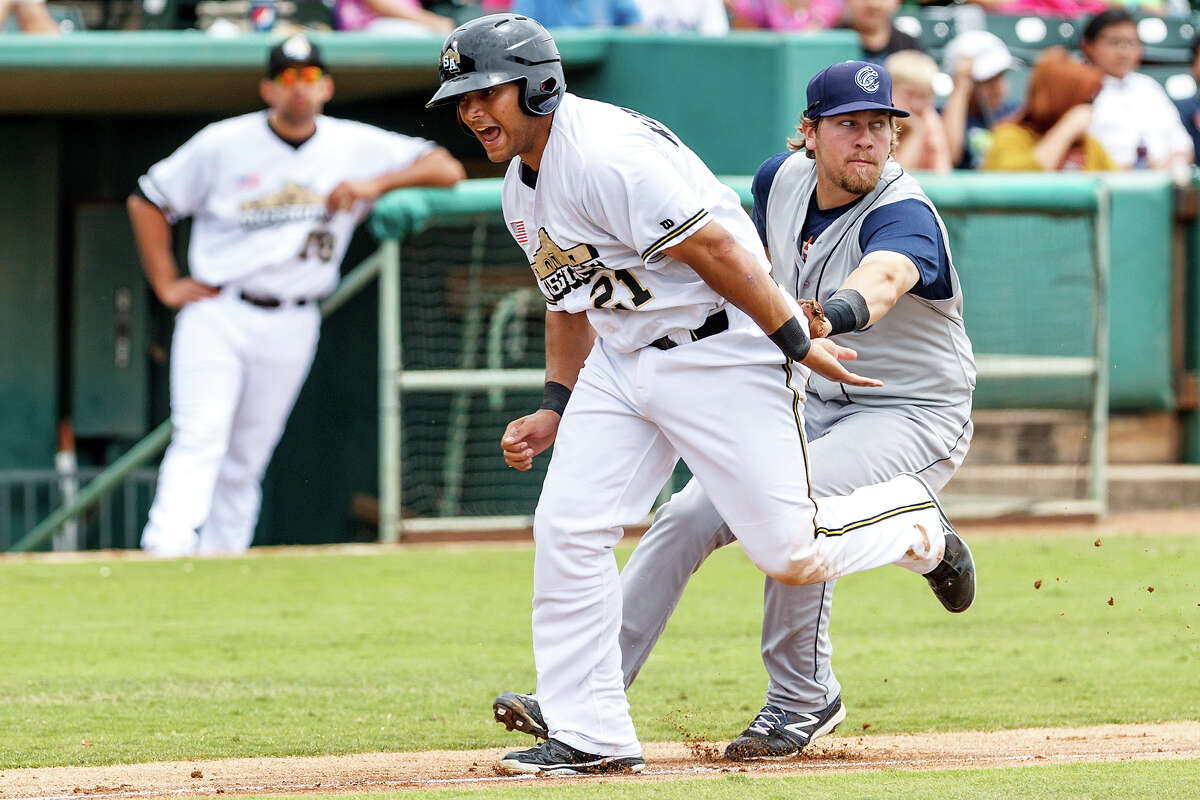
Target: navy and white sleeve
{"x": 760, "y": 189}
{"x": 909, "y": 227}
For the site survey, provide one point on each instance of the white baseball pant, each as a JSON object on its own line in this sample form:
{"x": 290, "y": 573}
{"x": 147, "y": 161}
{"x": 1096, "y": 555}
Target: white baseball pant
{"x": 734, "y": 412}
{"x": 236, "y": 370}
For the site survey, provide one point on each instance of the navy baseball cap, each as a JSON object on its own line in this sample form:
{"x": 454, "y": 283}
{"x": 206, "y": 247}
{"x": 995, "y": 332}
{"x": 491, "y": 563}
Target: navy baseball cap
{"x": 850, "y": 86}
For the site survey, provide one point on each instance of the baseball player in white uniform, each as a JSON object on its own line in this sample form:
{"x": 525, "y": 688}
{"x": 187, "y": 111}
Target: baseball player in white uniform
{"x": 626, "y": 229}
{"x": 274, "y": 196}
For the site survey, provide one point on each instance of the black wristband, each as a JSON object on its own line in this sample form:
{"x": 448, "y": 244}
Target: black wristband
{"x": 555, "y": 397}
{"x": 846, "y": 311}
{"x": 792, "y": 339}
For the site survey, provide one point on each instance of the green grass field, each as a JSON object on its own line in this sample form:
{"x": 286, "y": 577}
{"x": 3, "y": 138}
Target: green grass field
{"x": 341, "y": 653}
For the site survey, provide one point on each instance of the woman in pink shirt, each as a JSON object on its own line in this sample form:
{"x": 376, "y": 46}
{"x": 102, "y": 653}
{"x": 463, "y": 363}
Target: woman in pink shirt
{"x": 786, "y": 15}
{"x": 406, "y": 17}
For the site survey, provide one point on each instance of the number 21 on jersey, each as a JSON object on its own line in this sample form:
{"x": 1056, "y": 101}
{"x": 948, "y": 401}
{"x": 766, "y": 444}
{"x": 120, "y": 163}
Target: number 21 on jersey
{"x": 603, "y": 290}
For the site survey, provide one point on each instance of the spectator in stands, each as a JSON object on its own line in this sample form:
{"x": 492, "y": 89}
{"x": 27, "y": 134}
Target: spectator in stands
{"x": 872, "y": 21}
{"x": 979, "y": 62}
{"x": 922, "y": 136}
{"x": 1050, "y": 132}
{"x": 580, "y": 13}
{"x": 707, "y": 17}
{"x": 1132, "y": 116}
{"x": 31, "y": 16}
{"x": 786, "y": 15}
{"x": 1189, "y": 108}
{"x": 397, "y": 17}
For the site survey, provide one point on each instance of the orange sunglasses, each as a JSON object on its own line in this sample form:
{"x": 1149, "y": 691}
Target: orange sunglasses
{"x": 293, "y": 75}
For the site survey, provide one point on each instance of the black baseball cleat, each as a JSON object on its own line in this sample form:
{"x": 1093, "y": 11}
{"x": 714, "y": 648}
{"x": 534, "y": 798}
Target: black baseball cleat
{"x": 552, "y": 757}
{"x": 520, "y": 712}
{"x": 776, "y": 733}
{"x": 952, "y": 580}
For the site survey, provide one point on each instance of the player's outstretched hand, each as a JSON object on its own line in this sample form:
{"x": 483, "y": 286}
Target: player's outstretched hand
{"x": 527, "y": 436}
{"x": 181, "y": 291}
{"x": 825, "y": 358}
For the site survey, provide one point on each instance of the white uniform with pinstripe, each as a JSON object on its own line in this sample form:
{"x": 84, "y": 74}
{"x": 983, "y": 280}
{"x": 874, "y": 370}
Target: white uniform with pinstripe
{"x": 615, "y": 190}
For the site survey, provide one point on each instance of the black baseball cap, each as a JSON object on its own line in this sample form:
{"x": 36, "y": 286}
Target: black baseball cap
{"x": 850, "y": 86}
{"x": 294, "y": 51}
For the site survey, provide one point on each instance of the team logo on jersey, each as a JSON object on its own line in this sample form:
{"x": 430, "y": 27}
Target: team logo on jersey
{"x": 558, "y": 270}
{"x": 292, "y": 203}
{"x": 867, "y": 79}
{"x": 451, "y": 60}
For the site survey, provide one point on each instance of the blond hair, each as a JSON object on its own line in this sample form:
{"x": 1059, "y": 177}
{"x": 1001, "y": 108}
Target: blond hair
{"x": 795, "y": 143}
{"x": 912, "y": 68}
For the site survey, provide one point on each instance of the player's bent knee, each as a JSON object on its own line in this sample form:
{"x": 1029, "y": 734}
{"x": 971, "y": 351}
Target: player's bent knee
{"x": 797, "y": 571}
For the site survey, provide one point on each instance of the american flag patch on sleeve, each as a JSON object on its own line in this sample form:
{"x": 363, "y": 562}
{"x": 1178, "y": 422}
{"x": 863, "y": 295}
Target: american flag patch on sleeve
{"x": 518, "y": 229}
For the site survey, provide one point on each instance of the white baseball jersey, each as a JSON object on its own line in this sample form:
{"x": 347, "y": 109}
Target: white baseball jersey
{"x": 614, "y": 191}
{"x": 258, "y": 202}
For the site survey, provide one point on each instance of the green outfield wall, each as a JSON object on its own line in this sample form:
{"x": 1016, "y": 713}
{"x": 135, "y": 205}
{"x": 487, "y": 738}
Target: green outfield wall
{"x": 82, "y": 116}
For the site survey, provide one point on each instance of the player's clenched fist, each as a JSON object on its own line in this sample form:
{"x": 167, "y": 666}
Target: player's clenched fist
{"x": 524, "y": 438}
{"x": 347, "y": 193}
{"x": 819, "y": 326}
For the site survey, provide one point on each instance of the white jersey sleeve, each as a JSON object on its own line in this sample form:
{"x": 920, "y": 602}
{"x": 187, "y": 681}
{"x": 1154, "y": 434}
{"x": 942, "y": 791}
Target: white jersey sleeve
{"x": 179, "y": 183}
{"x": 639, "y": 196}
{"x": 378, "y": 152}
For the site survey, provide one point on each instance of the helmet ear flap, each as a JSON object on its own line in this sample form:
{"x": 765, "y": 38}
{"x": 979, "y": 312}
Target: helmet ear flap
{"x": 543, "y": 99}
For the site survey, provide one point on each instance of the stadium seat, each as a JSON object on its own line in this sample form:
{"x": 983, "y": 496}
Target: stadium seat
{"x": 934, "y": 27}
{"x": 1026, "y": 36}
{"x": 1167, "y": 40}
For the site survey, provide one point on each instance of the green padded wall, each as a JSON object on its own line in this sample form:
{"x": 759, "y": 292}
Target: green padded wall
{"x": 29, "y": 304}
{"x": 1139, "y": 300}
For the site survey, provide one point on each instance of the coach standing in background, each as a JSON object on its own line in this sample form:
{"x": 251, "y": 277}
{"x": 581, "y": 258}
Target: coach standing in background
{"x": 275, "y": 196}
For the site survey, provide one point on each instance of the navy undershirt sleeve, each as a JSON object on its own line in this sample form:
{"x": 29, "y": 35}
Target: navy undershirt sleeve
{"x": 760, "y": 188}
{"x": 908, "y": 227}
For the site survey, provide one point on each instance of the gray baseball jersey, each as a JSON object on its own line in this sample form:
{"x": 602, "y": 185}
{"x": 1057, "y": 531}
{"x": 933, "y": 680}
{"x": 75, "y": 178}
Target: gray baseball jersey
{"x": 919, "y": 421}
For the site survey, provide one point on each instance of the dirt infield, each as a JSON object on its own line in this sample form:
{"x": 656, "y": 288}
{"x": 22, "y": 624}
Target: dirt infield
{"x": 665, "y": 760}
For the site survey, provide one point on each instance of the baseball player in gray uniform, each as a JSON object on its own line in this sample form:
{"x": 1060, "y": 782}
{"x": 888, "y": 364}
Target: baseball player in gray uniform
{"x": 274, "y": 197}
{"x": 867, "y": 242}
{"x": 698, "y": 354}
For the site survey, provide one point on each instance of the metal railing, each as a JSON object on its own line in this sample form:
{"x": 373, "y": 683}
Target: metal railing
{"x": 114, "y": 520}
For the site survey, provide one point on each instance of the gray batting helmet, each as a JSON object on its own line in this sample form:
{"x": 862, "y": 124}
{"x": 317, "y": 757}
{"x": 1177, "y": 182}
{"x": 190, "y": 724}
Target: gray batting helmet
{"x": 502, "y": 48}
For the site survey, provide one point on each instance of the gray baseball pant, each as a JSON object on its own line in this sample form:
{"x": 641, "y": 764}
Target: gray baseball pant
{"x": 850, "y": 445}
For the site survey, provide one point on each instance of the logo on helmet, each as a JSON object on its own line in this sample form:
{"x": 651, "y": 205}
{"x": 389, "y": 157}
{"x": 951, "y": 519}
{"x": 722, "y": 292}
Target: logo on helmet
{"x": 867, "y": 79}
{"x": 297, "y": 48}
{"x": 451, "y": 60}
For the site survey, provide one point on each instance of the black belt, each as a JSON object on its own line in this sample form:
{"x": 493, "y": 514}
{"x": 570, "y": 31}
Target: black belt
{"x": 716, "y": 323}
{"x": 262, "y": 301}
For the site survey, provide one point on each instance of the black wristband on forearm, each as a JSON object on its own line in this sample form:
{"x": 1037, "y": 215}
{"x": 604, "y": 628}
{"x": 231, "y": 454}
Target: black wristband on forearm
{"x": 555, "y": 397}
{"x": 846, "y": 311}
{"x": 792, "y": 339}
